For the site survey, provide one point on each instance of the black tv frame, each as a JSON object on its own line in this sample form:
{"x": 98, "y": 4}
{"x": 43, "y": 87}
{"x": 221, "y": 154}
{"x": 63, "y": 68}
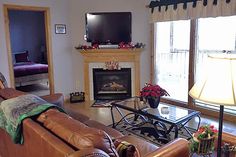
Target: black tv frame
{"x": 128, "y": 26}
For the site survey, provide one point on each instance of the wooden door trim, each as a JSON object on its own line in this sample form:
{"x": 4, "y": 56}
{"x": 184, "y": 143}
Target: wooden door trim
{"x": 46, "y": 11}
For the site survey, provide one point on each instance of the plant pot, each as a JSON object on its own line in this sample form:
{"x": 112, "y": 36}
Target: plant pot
{"x": 206, "y": 146}
{"x": 153, "y": 102}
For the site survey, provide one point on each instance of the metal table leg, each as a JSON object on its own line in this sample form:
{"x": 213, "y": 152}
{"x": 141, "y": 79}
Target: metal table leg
{"x": 176, "y": 131}
{"x": 127, "y": 121}
{"x": 113, "y": 119}
{"x": 185, "y": 128}
{"x": 199, "y": 118}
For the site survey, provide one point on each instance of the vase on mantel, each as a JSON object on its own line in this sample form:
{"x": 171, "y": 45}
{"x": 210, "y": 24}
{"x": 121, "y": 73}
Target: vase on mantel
{"x": 153, "y": 103}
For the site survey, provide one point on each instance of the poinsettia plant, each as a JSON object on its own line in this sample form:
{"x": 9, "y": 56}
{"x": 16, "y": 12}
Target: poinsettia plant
{"x": 153, "y": 91}
{"x": 204, "y": 132}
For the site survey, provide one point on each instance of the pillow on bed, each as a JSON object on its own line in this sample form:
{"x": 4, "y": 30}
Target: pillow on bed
{"x": 22, "y": 57}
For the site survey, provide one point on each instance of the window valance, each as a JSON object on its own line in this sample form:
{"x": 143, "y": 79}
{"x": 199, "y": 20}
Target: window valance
{"x": 172, "y": 10}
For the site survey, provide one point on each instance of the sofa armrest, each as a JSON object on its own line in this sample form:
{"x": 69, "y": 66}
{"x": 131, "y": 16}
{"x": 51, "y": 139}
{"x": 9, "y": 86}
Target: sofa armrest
{"x": 172, "y": 149}
{"x": 90, "y": 152}
{"x": 56, "y": 99}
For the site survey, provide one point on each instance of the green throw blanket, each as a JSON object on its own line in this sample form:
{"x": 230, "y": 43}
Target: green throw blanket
{"x": 13, "y": 111}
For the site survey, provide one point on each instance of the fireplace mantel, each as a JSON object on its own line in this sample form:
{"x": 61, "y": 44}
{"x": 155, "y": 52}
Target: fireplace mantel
{"x": 105, "y": 55}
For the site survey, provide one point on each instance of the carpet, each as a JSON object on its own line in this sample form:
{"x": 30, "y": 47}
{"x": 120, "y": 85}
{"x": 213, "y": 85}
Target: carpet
{"x": 148, "y": 132}
{"x": 102, "y": 103}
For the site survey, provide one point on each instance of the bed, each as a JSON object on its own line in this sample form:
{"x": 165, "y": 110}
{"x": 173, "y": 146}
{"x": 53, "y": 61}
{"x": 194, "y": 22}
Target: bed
{"x": 27, "y": 72}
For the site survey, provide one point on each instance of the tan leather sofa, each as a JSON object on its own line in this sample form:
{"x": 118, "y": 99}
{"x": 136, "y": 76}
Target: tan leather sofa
{"x": 55, "y": 134}
{"x": 169, "y": 150}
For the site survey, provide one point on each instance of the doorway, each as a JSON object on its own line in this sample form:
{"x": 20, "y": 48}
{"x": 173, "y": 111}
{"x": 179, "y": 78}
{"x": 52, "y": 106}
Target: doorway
{"x": 29, "y": 51}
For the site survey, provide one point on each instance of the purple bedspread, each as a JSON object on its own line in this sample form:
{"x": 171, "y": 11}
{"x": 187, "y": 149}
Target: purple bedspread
{"x": 29, "y": 68}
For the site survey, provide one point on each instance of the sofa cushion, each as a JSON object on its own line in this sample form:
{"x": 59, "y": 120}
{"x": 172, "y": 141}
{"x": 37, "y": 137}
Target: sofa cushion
{"x": 76, "y": 133}
{"x": 110, "y": 131}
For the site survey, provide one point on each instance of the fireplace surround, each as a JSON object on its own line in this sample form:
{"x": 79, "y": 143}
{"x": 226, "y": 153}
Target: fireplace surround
{"x": 112, "y": 84}
{"x": 96, "y": 58}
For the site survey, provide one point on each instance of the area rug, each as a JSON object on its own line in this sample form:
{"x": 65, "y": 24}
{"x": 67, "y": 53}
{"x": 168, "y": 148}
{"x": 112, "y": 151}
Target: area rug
{"x": 102, "y": 103}
{"x": 147, "y": 132}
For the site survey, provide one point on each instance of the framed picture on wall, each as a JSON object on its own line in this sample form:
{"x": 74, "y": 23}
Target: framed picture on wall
{"x": 60, "y": 28}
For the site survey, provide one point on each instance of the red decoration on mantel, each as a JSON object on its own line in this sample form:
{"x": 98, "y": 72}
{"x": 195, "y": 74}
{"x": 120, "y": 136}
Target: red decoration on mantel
{"x": 85, "y": 47}
{"x": 122, "y": 45}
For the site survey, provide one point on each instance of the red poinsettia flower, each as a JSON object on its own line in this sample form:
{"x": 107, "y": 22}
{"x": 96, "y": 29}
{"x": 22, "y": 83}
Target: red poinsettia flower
{"x": 201, "y": 129}
{"x": 211, "y": 126}
{"x": 153, "y": 91}
{"x": 206, "y": 131}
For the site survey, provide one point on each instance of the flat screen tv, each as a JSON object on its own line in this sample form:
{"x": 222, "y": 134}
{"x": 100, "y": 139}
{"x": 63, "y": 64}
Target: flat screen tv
{"x": 108, "y": 27}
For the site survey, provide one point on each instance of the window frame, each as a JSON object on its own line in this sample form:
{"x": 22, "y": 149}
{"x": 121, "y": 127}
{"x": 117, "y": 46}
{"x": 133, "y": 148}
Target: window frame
{"x": 192, "y": 49}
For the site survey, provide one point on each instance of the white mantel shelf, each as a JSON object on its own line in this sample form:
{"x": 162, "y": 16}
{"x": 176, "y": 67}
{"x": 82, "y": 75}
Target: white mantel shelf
{"x": 105, "y": 55}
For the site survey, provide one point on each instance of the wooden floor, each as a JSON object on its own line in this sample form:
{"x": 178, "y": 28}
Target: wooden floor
{"x": 103, "y": 115}
{"x": 39, "y": 89}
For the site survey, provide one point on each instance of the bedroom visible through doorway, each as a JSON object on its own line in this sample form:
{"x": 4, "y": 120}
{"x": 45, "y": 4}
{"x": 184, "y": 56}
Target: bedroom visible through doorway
{"x": 29, "y": 49}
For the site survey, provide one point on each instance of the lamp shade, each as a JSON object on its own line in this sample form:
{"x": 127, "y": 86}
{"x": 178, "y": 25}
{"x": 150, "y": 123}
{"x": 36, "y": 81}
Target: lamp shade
{"x": 218, "y": 85}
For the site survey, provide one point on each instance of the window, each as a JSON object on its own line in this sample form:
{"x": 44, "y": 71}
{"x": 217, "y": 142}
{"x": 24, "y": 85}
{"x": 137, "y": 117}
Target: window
{"x": 215, "y": 35}
{"x": 172, "y": 42}
{"x": 172, "y": 54}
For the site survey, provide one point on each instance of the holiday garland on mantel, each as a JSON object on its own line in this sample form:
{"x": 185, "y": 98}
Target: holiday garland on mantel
{"x": 166, "y": 3}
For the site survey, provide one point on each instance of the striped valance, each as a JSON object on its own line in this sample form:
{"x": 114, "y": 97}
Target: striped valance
{"x": 222, "y": 8}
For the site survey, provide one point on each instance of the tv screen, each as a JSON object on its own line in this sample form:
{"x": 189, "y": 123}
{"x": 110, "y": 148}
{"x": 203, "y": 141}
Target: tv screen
{"x": 108, "y": 27}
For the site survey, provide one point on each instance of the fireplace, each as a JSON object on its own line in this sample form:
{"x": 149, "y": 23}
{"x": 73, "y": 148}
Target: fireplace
{"x": 96, "y": 58}
{"x": 111, "y": 84}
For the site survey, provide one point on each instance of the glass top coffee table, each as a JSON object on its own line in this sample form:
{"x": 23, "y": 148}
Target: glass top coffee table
{"x": 166, "y": 116}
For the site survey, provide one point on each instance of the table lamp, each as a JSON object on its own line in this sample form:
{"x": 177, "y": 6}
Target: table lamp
{"x": 218, "y": 86}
